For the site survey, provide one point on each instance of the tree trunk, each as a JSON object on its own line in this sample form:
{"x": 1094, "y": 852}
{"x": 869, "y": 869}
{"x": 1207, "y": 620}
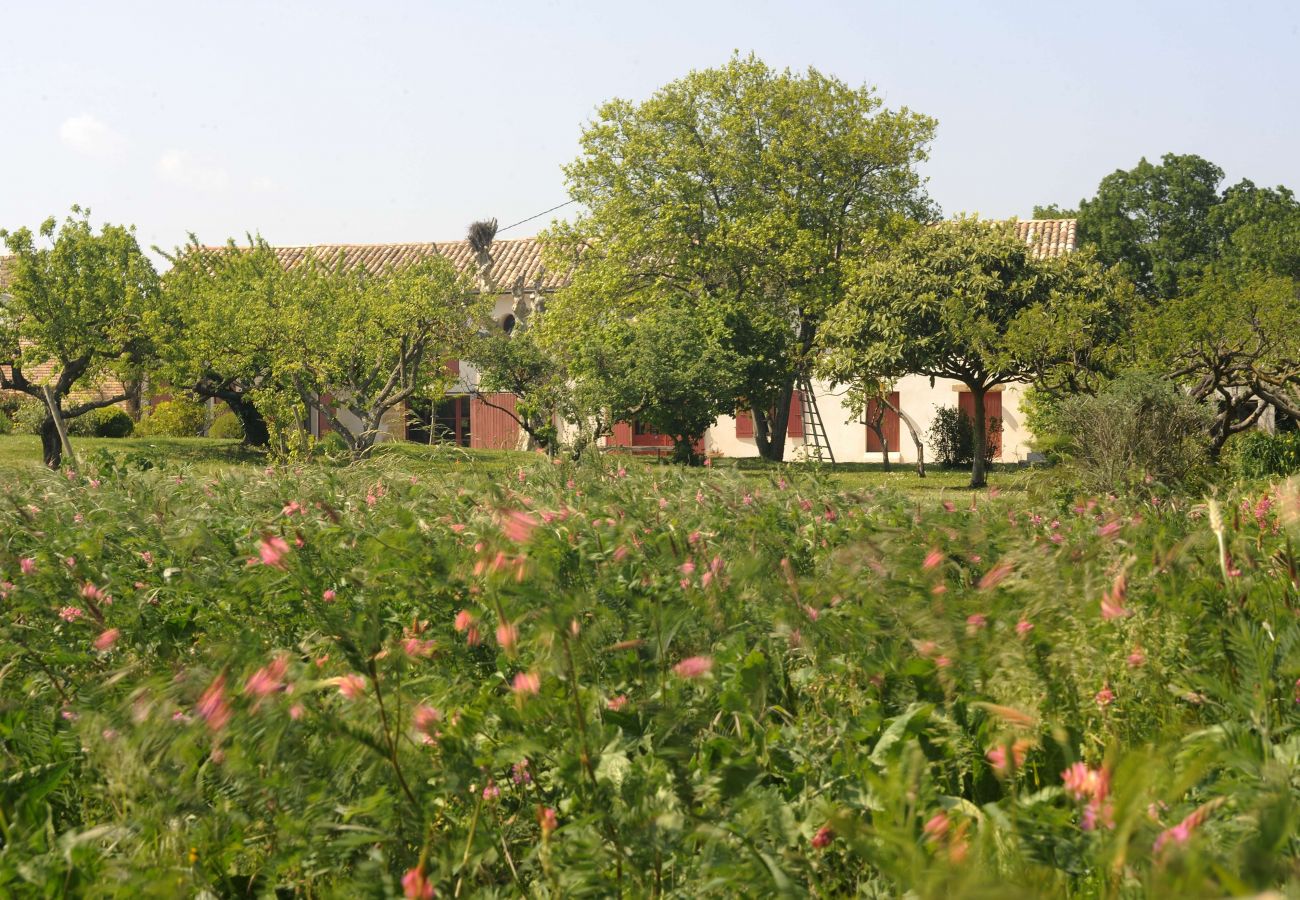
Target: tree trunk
{"x": 51, "y": 446}
{"x": 980, "y": 432}
{"x": 54, "y": 421}
{"x": 770, "y": 431}
{"x": 916, "y": 438}
{"x": 878, "y": 426}
{"x": 256, "y": 434}
{"x": 684, "y": 451}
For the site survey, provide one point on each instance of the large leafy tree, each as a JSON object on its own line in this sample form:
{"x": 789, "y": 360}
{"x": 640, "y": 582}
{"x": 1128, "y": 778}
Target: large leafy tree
{"x": 363, "y": 343}
{"x": 969, "y": 300}
{"x": 214, "y": 325}
{"x": 741, "y": 192}
{"x": 667, "y": 367}
{"x": 76, "y": 304}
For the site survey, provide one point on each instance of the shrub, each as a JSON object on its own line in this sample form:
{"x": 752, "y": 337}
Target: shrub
{"x": 226, "y": 426}
{"x": 1257, "y": 454}
{"x": 952, "y": 437}
{"x": 6, "y": 425}
{"x": 109, "y": 422}
{"x": 173, "y": 418}
{"x": 1138, "y": 428}
{"x": 26, "y": 414}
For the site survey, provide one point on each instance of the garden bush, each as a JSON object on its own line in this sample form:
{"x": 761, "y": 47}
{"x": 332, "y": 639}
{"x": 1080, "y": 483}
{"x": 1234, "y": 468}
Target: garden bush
{"x": 178, "y": 417}
{"x": 109, "y": 422}
{"x": 6, "y": 425}
{"x": 952, "y": 437}
{"x": 1256, "y": 454}
{"x": 1138, "y": 429}
{"x": 578, "y": 680}
{"x": 26, "y": 413}
{"x": 226, "y": 426}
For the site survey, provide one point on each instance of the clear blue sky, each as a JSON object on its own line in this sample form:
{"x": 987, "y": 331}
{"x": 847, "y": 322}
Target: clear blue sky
{"x": 402, "y": 121}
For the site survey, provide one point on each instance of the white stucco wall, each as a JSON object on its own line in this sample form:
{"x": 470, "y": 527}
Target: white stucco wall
{"x": 848, "y": 437}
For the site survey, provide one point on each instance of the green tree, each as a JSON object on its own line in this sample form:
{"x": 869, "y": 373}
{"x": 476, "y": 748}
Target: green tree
{"x": 1054, "y": 211}
{"x": 515, "y": 362}
{"x": 77, "y": 304}
{"x": 667, "y": 367}
{"x": 1153, "y": 221}
{"x": 739, "y": 192}
{"x": 966, "y": 300}
{"x": 365, "y": 342}
{"x": 1230, "y": 342}
{"x": 214, "y": 325}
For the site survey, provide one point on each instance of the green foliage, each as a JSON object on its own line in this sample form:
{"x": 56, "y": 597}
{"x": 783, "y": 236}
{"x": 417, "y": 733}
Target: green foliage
{"x": 1256, "y": 454}
{"x": 226, "y": 426}
{"x": 79, "y": 305}
{"x": 518, "y": 363}
{"x": 742, "y": 687}
{"x": 968, "y": 300}
{"x": 6, "y": 424}
{"x": 178, "y": 417}
{"x": 108, "y": 422}
{"x": 739, "y": 193}
{"x": 1138, "y": 429}
{"x": 26, "y": 413}
{"x": 952, "y": 437}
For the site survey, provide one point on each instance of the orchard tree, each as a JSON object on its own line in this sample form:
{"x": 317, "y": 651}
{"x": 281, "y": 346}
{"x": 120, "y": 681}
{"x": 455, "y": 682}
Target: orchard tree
{"x": 516, "y": 363}
{"x": 214, "y": 327}
{"x": 970, "y": 301}
{"x": 666, "y": 367}
{"x": 364, "y": 342}
{"x": 1230, "y": 343}
{"x": 76, "y": 304}
{"x": 738, "y": 194}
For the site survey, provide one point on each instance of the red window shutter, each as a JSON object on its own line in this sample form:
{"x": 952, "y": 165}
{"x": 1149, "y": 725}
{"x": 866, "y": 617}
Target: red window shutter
{"x": 622, "y": 436}
{"x": 992, "y": 410}
{"x": 966, "y": 403}
{"x": 890, "y": 424}
{"x": 794, "y": 428}
{"x": 744, "y": 424}
{"x": 453, "y": 366}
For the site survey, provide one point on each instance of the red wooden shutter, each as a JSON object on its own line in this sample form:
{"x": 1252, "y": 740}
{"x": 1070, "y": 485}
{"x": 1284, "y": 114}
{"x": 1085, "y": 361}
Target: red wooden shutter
{"x": 622, "y": 436}
{"x": 993, "y": 410}
{"x": 744, "y": 424}
{"x": 890, "y": 426}
{"x": 453, "y": 366}
{"x": 491, "y": 428}
{"x": 794, "y": 427}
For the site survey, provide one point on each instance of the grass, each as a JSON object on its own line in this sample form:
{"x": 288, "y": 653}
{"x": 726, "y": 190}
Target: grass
{"x": 22, "y": 453}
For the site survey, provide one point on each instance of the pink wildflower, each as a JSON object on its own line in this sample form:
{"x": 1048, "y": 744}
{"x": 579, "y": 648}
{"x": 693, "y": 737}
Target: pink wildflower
{"x": 526, "y": 683}
{"x": 1105, "y": 696}
{"x": 507, "y": 636}
{"x": 614, "y": 704}
{"x": 71, "y": 613}
{"x": 823, "y": 837}
{"x": 1004, "y": 765}
{"x": 548, "y": 821}
{"x": 995, "y": 576}
{"x": 518, "y": 525}
{"x": 1137, "y": 658}
{"x": 1084, "y": 783}
{"x": 272, "y": 550}
{"x": 936, "y": 827}
{"x": 464, "y": 619}
{"x": 27, "y": 565}
{"x": 694, "y": 667}
{"x": 328, "y": 596}
{"x": 213, "y": 707}
{"x": 1023, "y": 627}
{"x": 107, "y": 639}
{"x": 491, "y": 791}
{"x": 352, "y": 686}
{"x": 425, "y": 718}
{"x": 932, "y": 559}
{"x": 1181, "y": 833}
{"x": 416, "y": 648}
{"x": 416, "y": 886}
{"x": 267, "y": 680}
{"x": 975, "y": 622}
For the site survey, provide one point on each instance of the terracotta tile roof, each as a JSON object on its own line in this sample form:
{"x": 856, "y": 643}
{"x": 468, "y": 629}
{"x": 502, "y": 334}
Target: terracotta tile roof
{"x": 513, "y": 261}
{"x": 1048, "y": 237}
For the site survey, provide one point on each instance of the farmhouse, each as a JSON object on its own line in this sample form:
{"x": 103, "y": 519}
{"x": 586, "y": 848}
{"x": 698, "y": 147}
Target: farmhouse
{"x": 512, "y": 272}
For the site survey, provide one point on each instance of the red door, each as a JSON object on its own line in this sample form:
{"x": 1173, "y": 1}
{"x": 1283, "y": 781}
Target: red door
{"x": 992, "y": 410}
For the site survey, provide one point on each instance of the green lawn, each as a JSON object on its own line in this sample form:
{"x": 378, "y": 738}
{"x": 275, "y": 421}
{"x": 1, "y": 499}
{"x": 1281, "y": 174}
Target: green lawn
{"x": 22, "y": 453}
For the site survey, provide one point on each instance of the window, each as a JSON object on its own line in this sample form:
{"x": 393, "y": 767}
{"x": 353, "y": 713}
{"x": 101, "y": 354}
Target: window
{"x": 447, "y": 421}
{"x": 508, "y": 323}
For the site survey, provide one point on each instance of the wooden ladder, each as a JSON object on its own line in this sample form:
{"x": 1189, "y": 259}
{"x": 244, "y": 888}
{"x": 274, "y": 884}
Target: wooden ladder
{"x": 814, "y": 431}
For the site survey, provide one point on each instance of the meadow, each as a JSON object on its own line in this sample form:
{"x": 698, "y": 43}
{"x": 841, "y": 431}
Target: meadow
{"x": 501, "y": 676}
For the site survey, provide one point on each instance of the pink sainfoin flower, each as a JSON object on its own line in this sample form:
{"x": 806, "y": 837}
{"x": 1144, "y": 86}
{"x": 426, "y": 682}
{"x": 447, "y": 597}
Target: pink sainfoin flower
{"x": 518, "y": 525}
{"x": 1105, "y": 696}
{"x": 975, "y": 622}
{"x": 491, "y": 792}
{"x": 949, "y": 506}
{"x": 1181, "y": 833}
{"x": 614, "y": 704}
{"x": 107, "y": 639}
{"x": 292, "y": 508}
{"x": 425, "y": 718}
{"x": 267, "y": 680}
{"x": 91, "y": 593}
{"x": 417, "y": 648}
{"x": 823, "y": 837}
{"x": 526, "y": 683}
{"x": 1137, "y": 658}
{"x": 1112, "y": 601}
{"x": 272, "y": 550}
{"x": 213, "y": 707}
{"x": 1002, "y": 763}
{"x": 548, "y": 821}
{"x": 995, "y": 576}
{"x": 507, "y": 636}
{"x": 328, "y": 595}
{"x": 27, "y": 565}
{"x": 352, "y": 686}
{"x": 71, "y": 613}
{"x": 1023, "y": 627}
{"x": 1084, "y": 783}
{"x": 1109, "y": 529}
{"x": 694, "y": 667}
{"x": 416, "y": 886}
{"x": 932, "y": 559}
{"x": 936, "y": 827}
